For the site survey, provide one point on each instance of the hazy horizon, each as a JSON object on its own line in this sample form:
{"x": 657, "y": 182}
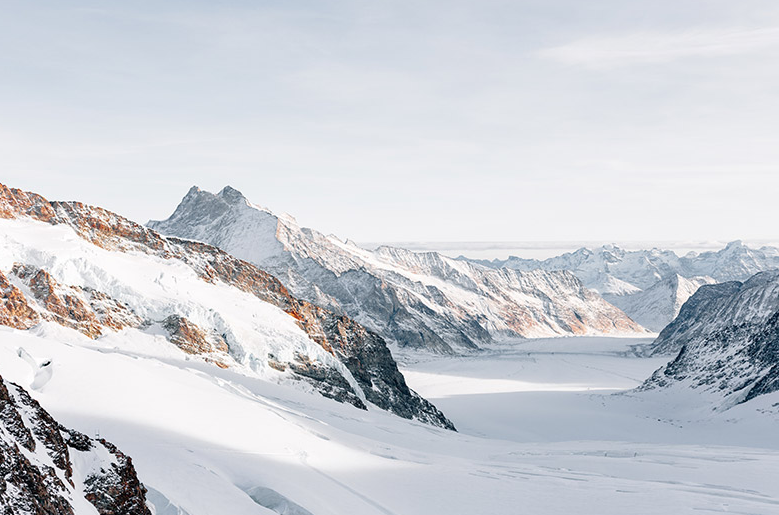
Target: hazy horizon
{"x": 545, "y": 249}
{"x": 462, "y": 120}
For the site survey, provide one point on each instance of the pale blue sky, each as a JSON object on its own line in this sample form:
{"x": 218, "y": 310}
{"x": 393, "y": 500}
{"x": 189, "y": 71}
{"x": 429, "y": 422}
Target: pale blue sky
{"x": 382, "y": 121}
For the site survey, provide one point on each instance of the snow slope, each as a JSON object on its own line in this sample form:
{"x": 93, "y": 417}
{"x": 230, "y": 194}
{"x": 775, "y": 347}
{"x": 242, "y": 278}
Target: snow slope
{"x": 422, "y": 300}
{"x": 549, "y": 437}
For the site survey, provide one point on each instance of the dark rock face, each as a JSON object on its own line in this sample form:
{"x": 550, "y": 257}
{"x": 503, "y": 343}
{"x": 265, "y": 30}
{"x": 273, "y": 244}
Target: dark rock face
{"x": 27, "y": 485}
{"x": 115, "y": 490}
{"x": 728, "y": 336}
{"x": 717, "y": 306}
{"x": 741, "y": 360}
{"x": 364, "y": 353}
{"x": 676, "y": 334}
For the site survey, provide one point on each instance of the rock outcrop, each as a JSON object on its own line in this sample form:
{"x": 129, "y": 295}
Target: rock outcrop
{"x": 14, "y": 310}
{"x": 38, "y": 470}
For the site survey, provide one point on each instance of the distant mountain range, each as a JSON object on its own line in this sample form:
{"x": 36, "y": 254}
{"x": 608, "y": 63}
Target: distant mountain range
{"x": 651, "y": 285}
{"x": 421, "y": 300}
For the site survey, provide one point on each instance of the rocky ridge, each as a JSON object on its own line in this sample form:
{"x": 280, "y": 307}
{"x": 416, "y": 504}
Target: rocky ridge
{"x": 421, "y": 300}
{"x": 727, "y": 340}
{"x": 650, "y": 285}
{"x": 371, "y": 373}
{"x": 39, "y": 472}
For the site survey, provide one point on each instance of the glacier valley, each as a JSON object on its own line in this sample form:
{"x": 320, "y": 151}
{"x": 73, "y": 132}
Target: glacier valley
{"x": 546, "y": 426}
{"x": 174, "y": 378}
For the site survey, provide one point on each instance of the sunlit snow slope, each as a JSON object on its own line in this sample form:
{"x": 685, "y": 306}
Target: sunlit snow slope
{"x": 541, "y": 432}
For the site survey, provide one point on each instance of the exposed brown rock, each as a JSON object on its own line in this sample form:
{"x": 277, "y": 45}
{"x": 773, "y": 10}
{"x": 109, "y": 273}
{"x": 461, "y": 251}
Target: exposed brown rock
{"x": 117, "y": 491}
{"x": 64, "y": 304}
{"x": 46, "y": 430}
{"x": 364, "y": 353}
{"x": 276, "y": 365}
{"x": 192, "y": 339}
{"x": 110, "y": 312}
{"x": 86, "y": 310}
{"x": 14, "y": 309}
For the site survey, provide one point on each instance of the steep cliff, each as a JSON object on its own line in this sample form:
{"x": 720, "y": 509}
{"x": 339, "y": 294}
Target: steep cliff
{"x": 47, "y": 469}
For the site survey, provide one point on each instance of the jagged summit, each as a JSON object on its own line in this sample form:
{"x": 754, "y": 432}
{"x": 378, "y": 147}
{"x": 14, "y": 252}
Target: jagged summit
{"x": 232, "y": 195}
{"x": 629, "y": 279}
{"x": 422, "y": 300}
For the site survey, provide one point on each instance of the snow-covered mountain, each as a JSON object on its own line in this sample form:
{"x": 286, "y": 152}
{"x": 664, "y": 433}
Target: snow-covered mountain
{"x": 727, "y": 339}
{"x": 717, "y": 306}
{"x": 422, "y": 300}
{"x": 46, "y": 468}
{"x": 100, "y": 275}
{"x": 625, "y": 278}
{"x": 655, "y": 306}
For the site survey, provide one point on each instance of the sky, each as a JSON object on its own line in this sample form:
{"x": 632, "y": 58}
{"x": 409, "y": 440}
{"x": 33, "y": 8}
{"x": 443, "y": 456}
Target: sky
{"x": 523, "y": 120}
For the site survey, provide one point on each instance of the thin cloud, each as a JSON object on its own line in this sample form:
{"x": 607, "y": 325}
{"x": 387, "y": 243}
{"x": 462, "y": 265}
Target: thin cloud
{"x": 660, "y": 47}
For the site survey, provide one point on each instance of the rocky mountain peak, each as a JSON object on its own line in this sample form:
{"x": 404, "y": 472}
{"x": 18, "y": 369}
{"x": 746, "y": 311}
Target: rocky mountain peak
{"x": 333, "y": 353}
{"x": 193, "y": 191}
{"x": 232, "y": 195}
{"x": 412, "y": 299}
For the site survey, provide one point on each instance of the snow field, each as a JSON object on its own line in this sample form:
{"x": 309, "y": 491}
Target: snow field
{"x": 208, "y": 440}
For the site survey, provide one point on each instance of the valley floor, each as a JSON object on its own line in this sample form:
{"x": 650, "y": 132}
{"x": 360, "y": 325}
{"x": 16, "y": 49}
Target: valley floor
{"x": 541, "y": 432}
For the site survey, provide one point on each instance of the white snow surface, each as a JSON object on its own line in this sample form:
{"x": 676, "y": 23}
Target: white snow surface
{"x": 542, "y": 432}
{"x": 155, "y": 288}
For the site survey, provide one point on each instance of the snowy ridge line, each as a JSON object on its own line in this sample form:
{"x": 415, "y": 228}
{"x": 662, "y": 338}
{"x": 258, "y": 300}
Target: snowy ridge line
{"x": 419, "y": 300}
{"x": 651, "y": 285}
{"x": 201, "y": 287}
